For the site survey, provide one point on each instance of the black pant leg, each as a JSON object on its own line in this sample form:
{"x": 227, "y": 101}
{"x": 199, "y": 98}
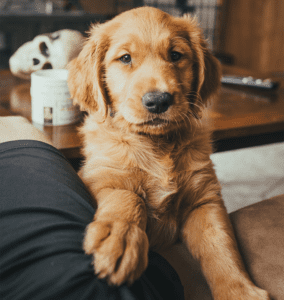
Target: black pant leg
{"x": 44, "y": 209}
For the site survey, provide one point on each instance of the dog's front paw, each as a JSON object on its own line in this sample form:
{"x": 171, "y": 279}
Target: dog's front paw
{"x": 119, "y": 249}
{"x": 242, "y": 292}
{"x": 261, "y": 294}
{"x": 256, "y": 294}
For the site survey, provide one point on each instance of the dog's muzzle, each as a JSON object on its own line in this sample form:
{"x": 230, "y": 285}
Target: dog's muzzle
{"x": 157, "y": 102}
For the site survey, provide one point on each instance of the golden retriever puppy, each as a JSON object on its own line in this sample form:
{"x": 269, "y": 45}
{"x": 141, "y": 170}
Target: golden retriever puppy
{"x": 144, "y": 78}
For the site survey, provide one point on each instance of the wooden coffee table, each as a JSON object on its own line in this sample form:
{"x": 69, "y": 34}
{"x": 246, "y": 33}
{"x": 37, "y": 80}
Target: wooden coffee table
{"x": 237, "y": 115}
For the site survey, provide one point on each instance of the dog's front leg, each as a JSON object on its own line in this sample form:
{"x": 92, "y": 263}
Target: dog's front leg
{"x": 116, "y": 238}
{"x": 208, "y": 234}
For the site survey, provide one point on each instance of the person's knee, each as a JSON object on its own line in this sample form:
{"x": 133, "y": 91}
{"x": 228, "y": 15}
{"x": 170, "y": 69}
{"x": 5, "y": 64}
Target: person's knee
{"x": 15, "y": 128}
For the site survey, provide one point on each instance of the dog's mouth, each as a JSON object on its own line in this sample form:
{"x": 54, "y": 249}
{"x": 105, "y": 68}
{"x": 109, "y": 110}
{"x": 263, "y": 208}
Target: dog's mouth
{"x": 155, "y": 122}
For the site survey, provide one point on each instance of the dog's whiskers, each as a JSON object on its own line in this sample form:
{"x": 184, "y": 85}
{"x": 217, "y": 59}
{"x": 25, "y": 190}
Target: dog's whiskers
{"x": 196, "y": 97}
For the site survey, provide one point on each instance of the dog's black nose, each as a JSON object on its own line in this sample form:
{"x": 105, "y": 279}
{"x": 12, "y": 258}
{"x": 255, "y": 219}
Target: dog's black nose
{"x": 157, "y": 102}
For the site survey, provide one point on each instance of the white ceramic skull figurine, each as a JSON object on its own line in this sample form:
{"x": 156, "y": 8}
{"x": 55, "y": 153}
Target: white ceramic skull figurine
{"x": 47, "y": 51}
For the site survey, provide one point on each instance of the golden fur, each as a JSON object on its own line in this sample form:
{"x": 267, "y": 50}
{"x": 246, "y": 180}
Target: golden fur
{"x": 150, "y": 174}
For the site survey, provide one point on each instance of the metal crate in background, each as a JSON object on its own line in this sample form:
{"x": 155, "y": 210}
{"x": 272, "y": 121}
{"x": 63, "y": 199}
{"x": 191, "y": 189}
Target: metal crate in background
{"x": 207, "y": 12}
{"x": 22, "y": 7}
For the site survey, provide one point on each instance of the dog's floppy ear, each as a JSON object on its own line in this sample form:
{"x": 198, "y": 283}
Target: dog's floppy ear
{"x": 210, "y": 76}
{"x": 207, "y": 69}
{"x": 86, "y": 74}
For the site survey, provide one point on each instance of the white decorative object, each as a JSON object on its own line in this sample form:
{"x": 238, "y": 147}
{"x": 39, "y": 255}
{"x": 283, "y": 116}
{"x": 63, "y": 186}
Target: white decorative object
{"x": 47, "y": 51}
{"x": 51, "y": 101}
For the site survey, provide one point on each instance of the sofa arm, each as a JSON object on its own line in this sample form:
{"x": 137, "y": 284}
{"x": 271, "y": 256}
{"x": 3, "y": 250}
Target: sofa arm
{"x": 259, "y": 230}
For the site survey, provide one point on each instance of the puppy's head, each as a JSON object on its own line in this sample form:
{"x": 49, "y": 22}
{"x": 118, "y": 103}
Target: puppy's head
{"x": 145, "y": 70}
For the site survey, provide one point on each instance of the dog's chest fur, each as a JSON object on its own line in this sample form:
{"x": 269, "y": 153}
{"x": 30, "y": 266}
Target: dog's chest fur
{"x": 160, "y": 188}
{"x": 155, "y": 163}
{"x": 152, "y": 169}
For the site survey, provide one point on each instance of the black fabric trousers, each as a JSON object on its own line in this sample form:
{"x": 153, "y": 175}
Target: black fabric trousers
{"x": 44, "y": 209}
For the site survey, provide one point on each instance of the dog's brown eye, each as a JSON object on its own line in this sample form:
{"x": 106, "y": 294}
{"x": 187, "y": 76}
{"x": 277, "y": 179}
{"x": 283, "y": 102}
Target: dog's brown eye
{"x": 175, "y": 56}
{"x": 126, "y": 59}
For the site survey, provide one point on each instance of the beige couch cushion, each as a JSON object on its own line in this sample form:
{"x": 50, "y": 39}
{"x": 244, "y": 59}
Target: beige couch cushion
{"x": 259, "y": 230}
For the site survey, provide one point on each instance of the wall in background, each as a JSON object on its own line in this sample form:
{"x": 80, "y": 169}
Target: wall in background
{"x": 253, "y": 33}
